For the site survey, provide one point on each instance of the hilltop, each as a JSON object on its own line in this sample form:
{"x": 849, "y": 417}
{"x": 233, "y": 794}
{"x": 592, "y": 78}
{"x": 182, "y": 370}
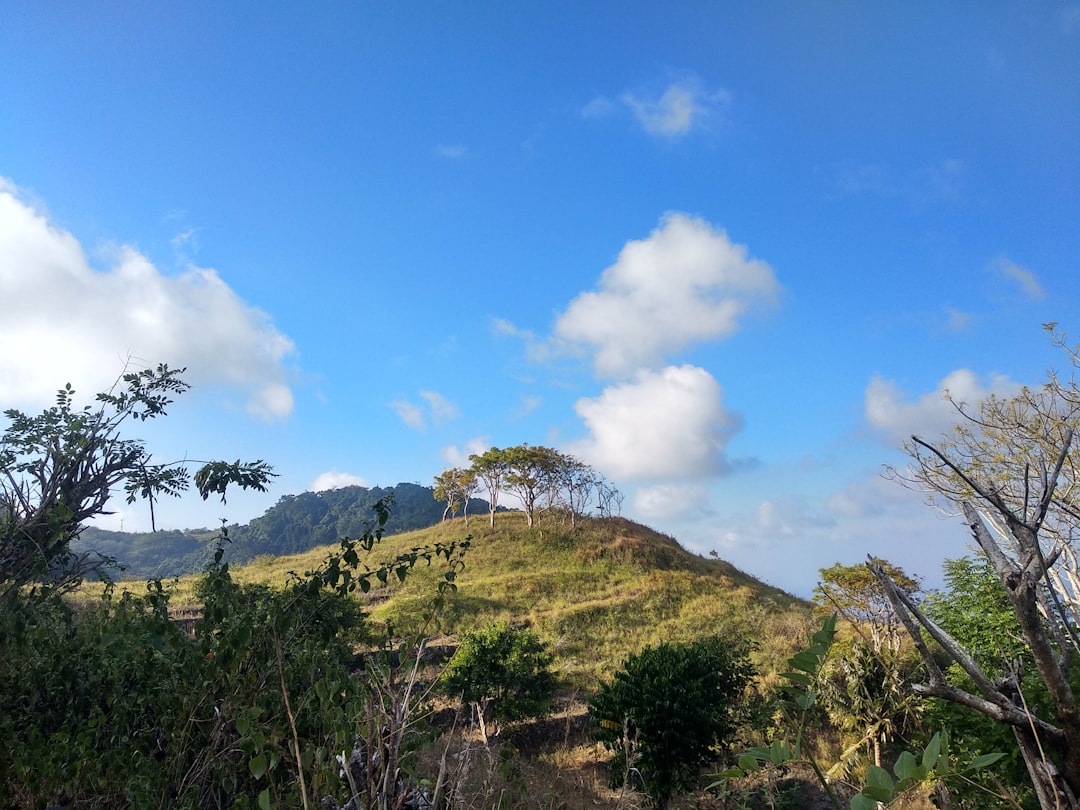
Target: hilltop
{"x": 595, "y": 592}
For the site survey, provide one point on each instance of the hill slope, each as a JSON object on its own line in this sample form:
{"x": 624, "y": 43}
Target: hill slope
{"x": 595, "y": 593}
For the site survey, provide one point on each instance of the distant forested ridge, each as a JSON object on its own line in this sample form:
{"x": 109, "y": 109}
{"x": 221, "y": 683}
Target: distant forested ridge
{"x": 295, "y": 523}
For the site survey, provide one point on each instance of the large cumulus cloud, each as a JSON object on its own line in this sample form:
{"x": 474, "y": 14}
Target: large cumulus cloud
{"x": 65, "y": 321}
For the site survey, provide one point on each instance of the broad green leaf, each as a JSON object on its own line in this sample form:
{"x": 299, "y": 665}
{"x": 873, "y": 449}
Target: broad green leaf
{"x": 748, "y": 763}
{"x": 805, "y": 661}
{"x": 779, "y": 753}
{"x": 878, "y": 783}
{"x": 983, "y": 761}
{"x": 264, "y": 799}
{"x": 906, "y": 766}
{"x": 861, "y": 802}
{"x": 932, "y": 752}
{"x": 257, "y": 766}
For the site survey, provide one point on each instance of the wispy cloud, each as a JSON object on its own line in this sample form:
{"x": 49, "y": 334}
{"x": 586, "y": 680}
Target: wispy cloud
{"x": 451, "y": 151}
{"x": 1021, "y": 277}
{"x": 941, "y": 182}
{"x": 67, "y": 322}
{"x": 956, "y": 320}
{"x": 438, "y": 408}
{"x": 459, "y": 456}
{"x": 665, "y": 501}
{"x": 671, "y": 112}
{"x": 442, "y": 409}
{"x": 527, "y": 405}
{"x": 892, "y": 413}
{"x": 409, "y": 413}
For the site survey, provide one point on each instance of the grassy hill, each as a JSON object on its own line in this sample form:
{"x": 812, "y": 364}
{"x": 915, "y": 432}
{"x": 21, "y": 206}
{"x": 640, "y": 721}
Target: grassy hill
{"x": 595, "y": 593}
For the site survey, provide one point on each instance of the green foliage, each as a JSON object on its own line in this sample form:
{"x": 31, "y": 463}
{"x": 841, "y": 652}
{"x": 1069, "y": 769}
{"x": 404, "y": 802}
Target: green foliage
{"x": 868, "y": 695}
{"x": 455, "y": 486}
{"x": 505, "y": 667}
{"x": 795, "y": 705}
{"x": 668, "y": 710}
{"x": 975, "y": 610}
{"x": 115, "y": 704}
{"x": 856, "y": 594}
{"x": 59, "y": 468}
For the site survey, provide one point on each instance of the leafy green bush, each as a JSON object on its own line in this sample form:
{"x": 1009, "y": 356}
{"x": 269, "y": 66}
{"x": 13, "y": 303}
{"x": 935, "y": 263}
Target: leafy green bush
{"x": 665, "y": 713}
{"x": 504, "y": 668}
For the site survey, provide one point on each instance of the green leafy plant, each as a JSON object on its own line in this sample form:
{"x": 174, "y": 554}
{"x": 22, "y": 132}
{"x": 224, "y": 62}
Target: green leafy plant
{"x": 794, "y": 706}
{"x": 667, "y": 710}
{"x": 506, "y": 669}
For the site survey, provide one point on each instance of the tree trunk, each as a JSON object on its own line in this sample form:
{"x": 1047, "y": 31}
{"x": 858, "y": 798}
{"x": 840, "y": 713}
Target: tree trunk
{"x": 1051, "y": 789}
{"x": 481, "y": 722}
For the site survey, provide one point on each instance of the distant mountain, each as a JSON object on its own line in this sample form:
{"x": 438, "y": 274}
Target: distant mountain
{"x": 295, "y": 523}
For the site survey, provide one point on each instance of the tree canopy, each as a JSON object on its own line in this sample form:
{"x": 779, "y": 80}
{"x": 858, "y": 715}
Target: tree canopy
{"x": 59, "y": 468}
{"x": 540, "y": 478}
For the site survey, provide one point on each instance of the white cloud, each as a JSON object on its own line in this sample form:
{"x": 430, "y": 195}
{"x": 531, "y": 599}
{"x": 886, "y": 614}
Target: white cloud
{"x": 666, "y": 424}
{"x": 442, "y": 410}
{"x": 683, "y": 106}
{"x": 855, "y": 180}
{"x": 599, "y": 107}
{"x": 335, "y": 479}
{"x": 1026, "y": 280}
{"x": 687, "y": 282}
{"x": 958, "y": 321}
{"x": 890, "y": 412}
{"x": 672, "y": 111}
{"x": 409, "y": 413}
{"x": 788, "y": 516}
{"x": 67, "y": 322}
{"x": 666, "y": 501}
{"x": 439, "y": 409}
{"x": 942, "y": 181}
{"x": 459, "y": 457}
{"x": 527, "y": 406}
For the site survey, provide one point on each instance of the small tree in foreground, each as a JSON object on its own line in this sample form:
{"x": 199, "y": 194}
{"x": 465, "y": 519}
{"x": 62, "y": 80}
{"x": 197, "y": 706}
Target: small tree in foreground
{"x": 506, "y": 670}
{"x": 667, "y": 710}
{"x": 59, "y": 468}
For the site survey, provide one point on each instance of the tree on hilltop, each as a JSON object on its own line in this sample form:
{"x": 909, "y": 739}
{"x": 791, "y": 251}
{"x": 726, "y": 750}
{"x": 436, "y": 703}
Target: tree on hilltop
{"x": 532, "y": 474}
{"x": 491, "y": 468}
{"x": 455, "y": 486}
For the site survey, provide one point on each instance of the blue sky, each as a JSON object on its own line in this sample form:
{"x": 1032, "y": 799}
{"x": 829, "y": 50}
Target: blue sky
{"x": 728, "y": 253}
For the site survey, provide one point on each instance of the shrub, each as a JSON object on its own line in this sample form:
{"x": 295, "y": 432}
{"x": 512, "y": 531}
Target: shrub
{"x": 502, "y": 668}
{"x": 667, "y": 710}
